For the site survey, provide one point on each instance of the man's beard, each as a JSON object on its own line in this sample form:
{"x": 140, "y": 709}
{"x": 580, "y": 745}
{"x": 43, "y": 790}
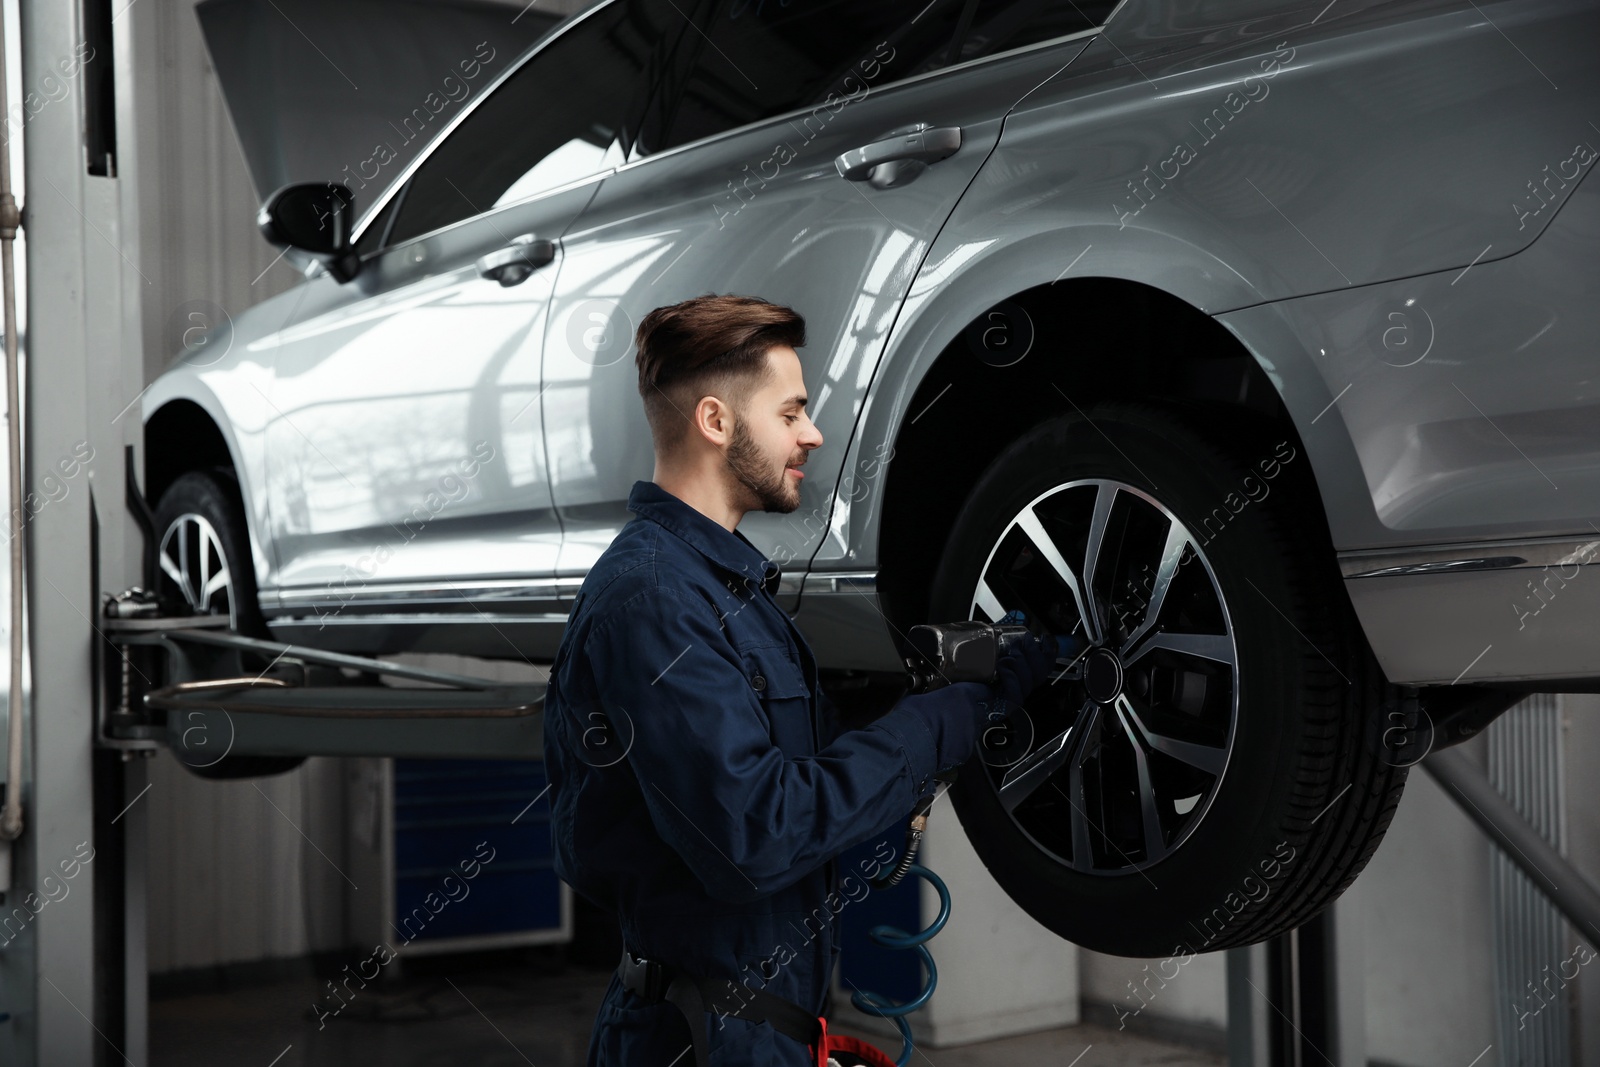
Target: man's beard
{"x": 768, "y": 491}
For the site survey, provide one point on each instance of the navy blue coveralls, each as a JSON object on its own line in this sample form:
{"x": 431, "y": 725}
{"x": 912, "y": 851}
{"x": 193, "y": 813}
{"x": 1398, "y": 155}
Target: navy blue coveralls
{"x": 701, "y": 783}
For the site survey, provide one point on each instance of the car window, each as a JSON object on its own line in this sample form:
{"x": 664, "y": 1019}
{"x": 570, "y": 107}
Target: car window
{"x": 1001, "y": 25}
{"x": 561, "y": 116}
{"x": 372, "y": 238}
{"x": 759, "y": 58}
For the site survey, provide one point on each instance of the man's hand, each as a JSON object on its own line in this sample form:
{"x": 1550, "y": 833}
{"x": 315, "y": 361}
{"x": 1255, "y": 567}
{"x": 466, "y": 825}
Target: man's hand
{"x": 956, "y": 714}
{"x": 1020, "y": 671}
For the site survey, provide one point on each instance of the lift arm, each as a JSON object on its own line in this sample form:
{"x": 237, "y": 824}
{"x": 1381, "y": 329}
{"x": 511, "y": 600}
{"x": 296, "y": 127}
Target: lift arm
{"x": 173, "y": 678}
{"x": 1548, "y": 869}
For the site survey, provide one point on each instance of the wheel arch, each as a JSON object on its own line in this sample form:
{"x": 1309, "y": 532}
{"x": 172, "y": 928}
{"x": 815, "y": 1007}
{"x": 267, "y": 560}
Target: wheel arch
{"x": 182, "y": 435}
{"x": 179, "y": 437}
{"x": 1121, "y": 339}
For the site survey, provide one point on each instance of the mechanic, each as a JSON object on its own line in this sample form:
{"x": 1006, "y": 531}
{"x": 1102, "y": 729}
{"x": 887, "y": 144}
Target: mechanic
{"x": 701, "y": 783}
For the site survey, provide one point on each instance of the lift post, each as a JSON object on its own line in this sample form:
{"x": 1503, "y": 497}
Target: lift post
{"x": 1297, "y": 1000}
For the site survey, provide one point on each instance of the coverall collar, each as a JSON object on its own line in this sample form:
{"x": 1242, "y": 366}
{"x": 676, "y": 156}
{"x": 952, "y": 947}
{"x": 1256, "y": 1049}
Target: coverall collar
{"x": 728, "y": 549}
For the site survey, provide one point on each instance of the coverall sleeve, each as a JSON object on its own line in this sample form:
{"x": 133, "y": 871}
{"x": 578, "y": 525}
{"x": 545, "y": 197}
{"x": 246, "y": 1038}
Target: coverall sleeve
{"x": 831, "y": 725}
{"x": 746, "y": 819}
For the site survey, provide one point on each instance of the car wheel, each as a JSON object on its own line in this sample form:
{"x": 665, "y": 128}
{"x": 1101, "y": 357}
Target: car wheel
{"x": 1199, "y": 773}
{"x": 203, "y": 557}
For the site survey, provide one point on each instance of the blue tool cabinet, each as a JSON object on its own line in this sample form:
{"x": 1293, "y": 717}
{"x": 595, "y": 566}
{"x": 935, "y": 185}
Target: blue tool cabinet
{"x": 464, "y": 856}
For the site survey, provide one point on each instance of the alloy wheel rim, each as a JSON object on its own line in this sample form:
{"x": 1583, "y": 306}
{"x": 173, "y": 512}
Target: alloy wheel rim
{"x": 192, "y": 557}
{"x": 1138, "y": 727}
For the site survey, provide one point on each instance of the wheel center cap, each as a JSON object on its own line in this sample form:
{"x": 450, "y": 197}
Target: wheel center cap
{"x": 1102, "y": 676}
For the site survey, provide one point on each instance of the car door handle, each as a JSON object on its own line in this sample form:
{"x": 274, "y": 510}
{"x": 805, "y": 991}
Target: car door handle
{"x": 512, "y": 264}
{"x": 926, "y": 145}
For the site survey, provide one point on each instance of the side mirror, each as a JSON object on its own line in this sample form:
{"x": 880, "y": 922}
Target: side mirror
{"x": 314, "y": 217}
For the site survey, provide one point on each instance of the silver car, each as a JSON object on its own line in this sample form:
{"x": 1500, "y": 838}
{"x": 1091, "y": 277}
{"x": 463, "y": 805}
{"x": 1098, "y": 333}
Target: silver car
{"x": 1251, "y": 343}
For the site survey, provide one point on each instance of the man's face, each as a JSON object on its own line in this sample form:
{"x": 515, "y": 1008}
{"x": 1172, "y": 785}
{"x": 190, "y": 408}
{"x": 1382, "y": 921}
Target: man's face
{"x": 772, "y": 436}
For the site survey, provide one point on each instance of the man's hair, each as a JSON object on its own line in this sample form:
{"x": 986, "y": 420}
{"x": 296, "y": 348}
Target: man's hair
{"x": 707, "y": 346}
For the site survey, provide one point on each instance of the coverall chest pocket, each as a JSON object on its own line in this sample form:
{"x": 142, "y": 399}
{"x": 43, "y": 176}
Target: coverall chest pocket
{"x": 780, "y": 684}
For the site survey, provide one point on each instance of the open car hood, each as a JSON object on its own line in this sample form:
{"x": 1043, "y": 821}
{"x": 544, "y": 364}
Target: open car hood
{"x": 353, "y": 90}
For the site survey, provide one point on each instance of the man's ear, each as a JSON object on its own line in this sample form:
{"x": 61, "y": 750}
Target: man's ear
{"x": 713, "y": 420}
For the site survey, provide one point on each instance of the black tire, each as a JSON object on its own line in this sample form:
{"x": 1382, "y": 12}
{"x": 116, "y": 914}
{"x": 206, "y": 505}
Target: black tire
{"x": 1303, "y": 795}
{"x": 213, "y": 496}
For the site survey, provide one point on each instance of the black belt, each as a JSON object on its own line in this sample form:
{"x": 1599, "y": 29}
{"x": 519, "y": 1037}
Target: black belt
{"x": 656, "y": 982}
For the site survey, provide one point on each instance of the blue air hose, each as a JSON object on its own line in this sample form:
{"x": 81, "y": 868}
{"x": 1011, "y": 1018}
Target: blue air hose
{"x": 895, "y": 938}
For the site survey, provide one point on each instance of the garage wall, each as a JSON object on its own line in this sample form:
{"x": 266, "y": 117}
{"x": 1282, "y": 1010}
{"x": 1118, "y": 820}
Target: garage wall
{"x": 1139, "y": 1000}
{"x": 197, "y": 207}
{"x": 1430, "y": 972}
{"x": 1583, "y": 849}
{"x": 246, "y": 870}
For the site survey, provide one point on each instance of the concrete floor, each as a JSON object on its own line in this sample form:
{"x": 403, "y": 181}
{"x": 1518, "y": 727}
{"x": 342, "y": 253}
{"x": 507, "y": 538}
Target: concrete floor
{"x": 444, "y": 1014}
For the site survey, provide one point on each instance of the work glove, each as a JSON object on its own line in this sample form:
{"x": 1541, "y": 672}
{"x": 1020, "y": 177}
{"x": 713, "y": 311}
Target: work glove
{"x": 1019, "y": 672}
{"x": 957, "y": 714}
{"x": 953, "y": 715}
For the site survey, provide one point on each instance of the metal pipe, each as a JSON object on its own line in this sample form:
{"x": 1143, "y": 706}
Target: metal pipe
{"x": 1557, "y": 879}
{"x": 10, "y": 220}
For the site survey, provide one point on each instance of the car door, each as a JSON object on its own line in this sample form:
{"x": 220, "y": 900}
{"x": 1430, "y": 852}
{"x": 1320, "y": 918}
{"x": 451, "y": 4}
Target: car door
{"x": 732, "y": 186}
{"x": 406, "y": 468}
